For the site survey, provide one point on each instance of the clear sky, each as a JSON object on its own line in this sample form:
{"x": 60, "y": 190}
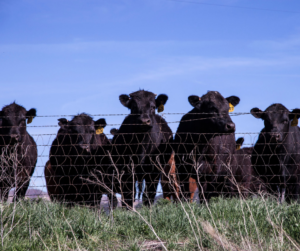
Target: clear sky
{"x": 64, "y": 57}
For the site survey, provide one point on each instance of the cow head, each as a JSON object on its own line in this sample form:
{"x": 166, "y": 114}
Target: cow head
{"x": 142, "y": 105}
{"x": 81, "y": 129}
{"x": 214, "y": 110}
{"x": 13, "y": 119}
{"x": 277, "y": 119}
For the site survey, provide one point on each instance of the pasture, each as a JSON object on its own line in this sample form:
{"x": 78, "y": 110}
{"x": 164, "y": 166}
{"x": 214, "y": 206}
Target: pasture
{"x": 224, "y": 224}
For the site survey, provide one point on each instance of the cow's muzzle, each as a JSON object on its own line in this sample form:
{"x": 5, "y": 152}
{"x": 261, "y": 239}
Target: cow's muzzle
{"x": 14, "y": 138}
{"x": 86, "y": 148}
{"x": 230, "y": 127}
{"x": 275, "y": 137}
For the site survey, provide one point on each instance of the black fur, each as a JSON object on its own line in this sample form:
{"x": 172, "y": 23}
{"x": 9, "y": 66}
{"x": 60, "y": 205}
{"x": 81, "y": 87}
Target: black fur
{"x": 14, "y": 139}
{"x": 204, "y": 144}
{"x": 276, "y": 154}
{"x": 75, "y": 154}
{"x": 245, "y": 177}
{"x": 141, "y": 138}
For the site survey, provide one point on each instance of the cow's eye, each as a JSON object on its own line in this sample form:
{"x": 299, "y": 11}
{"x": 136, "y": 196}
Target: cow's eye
{"x": 285, "y": 121}
{"x": 73, "y": 129}
{"x": 22, "y": 121}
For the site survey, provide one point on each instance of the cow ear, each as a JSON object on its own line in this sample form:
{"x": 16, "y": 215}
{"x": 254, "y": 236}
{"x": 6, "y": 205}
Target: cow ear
{"x": 125, "y": 100}
{"x": 239, "y": 142}
{"x": 30, "y": 115}
{"x": 294, "y": 116}
{"x": 161, "y": 100}
{"x": 114, "y": 131}
{"x": 234, "y": 100}
{"x": 194, "y": 100}
{"x": 257, "y": 113}
{"x": 62, "y": 122}
{"x": 100, "y": 123}
{"x": 294, "y": 113}
{"x": 99, "y": 126}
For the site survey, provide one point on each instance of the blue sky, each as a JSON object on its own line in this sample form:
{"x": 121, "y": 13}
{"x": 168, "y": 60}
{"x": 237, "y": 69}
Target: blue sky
{"x": 64, "y": 57}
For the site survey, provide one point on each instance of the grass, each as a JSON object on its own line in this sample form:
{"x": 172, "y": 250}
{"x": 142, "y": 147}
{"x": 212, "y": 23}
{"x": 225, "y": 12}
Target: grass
{"x": 227, "y": 224}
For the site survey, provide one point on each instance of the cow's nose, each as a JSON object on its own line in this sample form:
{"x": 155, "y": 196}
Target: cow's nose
{"x": 230, "y": 126}
{"x": 86, "y": 147}
{"x": 145, "y": 121}
{"x": 15, "y": 136}
{"x": 275, "y": 135}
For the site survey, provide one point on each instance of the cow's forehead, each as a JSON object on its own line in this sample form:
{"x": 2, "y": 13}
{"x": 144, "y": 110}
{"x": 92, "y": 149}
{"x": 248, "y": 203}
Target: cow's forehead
{"x": 82, "y": 119}
{"x": 143, "y": 95}
{"x": 214, "y": 97}
{"x": 275, "y": 112}
{"x": 276, "y": 109}
{"x": 15, "y": 109}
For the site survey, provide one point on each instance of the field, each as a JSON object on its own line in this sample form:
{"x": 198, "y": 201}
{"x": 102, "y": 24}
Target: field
{"x": 223, "y": 224}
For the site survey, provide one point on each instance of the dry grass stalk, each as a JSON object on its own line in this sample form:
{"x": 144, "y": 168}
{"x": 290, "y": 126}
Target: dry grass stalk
{"x": 221, "y": 240}
{"x": 151, "y": 245}
{"x": 281, "y": 230}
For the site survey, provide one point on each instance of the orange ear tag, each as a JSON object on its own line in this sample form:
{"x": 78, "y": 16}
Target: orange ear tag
{"x": 231, "y": 107}
{"x": 29, "y": 120}
{"x": 160, "y": 108}
{"x": 99, "y": 130}
{"x": 294, "y": 121}
{"x": 237, "y": 147}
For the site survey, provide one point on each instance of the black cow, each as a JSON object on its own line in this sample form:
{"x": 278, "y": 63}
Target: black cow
{"x": 245, "y": 178}
{"x": 18, "y": 150}
{"x": 276, "y": 154}
{"x": 204, "y": 144}
{"x": 141, "y": 138}
{"x": 75, "y": 154}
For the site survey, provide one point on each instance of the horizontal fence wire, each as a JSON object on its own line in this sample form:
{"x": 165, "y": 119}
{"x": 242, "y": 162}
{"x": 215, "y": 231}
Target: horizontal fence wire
{"x": 163, "y": 113}
{"x": 78, "y": 164}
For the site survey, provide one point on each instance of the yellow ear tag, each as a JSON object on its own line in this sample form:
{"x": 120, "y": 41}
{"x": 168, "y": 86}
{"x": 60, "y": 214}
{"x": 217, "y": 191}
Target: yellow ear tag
{"x": 237, "y": 147}
{"x": 294, "y": 121}
{"x": 160, "y": 108}
{"x": 29, "y": 120}
{"x": 231, "y": 107}
{"x": 99, "y": 130}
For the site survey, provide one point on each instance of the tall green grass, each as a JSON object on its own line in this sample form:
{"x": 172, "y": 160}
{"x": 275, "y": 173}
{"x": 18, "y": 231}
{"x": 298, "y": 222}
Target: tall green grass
{"x": 226, "y": 224}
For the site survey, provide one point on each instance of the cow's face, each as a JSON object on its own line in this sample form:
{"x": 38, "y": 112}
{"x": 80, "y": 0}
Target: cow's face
{"x": 82, "y": 129}
{"x": 214, "y": 110}
{"x": 142, "y": 105}
{"x": 13, "y": 119}
{"x": 277, "y": 119}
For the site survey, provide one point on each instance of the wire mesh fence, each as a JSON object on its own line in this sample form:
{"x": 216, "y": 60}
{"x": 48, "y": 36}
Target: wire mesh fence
{"x": 76, "y": 162}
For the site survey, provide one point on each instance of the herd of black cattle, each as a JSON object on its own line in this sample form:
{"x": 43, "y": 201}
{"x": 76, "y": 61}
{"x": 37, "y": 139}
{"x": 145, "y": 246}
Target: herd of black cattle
{"x": 84, "y": 164}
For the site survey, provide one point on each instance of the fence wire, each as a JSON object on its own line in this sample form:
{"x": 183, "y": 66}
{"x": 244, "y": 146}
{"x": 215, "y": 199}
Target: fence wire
{"x": 79, "y": 163}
